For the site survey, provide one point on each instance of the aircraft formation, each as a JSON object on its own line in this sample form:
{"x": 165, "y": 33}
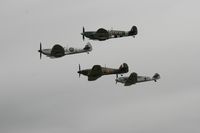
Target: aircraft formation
{"x": 98, "y": 71}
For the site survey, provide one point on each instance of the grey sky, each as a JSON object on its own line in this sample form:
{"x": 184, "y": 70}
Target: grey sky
{"x": 46, "y": 96}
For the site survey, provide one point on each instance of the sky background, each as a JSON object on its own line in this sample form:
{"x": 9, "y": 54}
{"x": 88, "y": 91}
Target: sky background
{"x": 46, "y": 96}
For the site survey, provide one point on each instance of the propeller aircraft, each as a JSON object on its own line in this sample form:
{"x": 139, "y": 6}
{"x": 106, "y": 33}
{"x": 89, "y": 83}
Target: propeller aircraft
{"x": 103, "y": 34}
{"x": 134, "y": 78}
{"x": 58, "y": 51}
{"x": 97, "y": 71}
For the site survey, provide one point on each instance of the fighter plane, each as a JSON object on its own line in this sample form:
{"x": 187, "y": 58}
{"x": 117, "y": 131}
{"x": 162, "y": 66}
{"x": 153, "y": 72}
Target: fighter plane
{"x": 97, "y": 71}
{"x": 103, "y": 34}
{"x": 58, "y": 51}
{"x": 134, "y": 78}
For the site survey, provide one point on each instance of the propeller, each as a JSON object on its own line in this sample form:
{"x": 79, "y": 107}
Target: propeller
{"x": 83, "y": 34}
{"x": 40, "y": 50}
{"x": 79, "y": 68}
{"x": 116, "y": 78}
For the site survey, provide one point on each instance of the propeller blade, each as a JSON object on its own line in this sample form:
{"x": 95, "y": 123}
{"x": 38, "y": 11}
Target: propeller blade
{"x": 83, "y": 34}
{"x": 116, "y": 78}
{"x": 83, "y": 38}
{"x": 40, "y": 50}
{"x": 79, "y": 68}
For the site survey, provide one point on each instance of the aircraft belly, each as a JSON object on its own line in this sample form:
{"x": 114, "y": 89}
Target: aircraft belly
{"x": 128, "y": 84}
{"x": 143, "y": 79}
{"x": 101, "y": 37}
{"x": 75, "y": 52}
{"x": 92, "y": 78}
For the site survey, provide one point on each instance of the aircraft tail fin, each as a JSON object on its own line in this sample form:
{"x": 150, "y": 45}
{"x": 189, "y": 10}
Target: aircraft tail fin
{"x": 88, "y": 47}
{"x": 133, "y": 31}
{"x": 124, "y": 68}
{"x": 156, "y": 77}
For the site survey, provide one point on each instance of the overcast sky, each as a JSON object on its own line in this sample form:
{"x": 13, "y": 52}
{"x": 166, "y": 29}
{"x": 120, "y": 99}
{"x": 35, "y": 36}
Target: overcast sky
{"x": 46, "y": 96}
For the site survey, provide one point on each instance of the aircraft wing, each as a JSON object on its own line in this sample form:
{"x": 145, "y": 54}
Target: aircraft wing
{"x": 95, "y": 73}
{"x": 57, "y": 51}
{"x": 132, "y": 79}
{"x": 93, "y": 78}
{"x": 102, "y": 34}
{"x": 96, "y": 70}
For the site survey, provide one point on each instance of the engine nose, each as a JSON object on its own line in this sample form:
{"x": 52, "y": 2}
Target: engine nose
{"x": 82, "y": 72}
{"x": 79, "y": 72}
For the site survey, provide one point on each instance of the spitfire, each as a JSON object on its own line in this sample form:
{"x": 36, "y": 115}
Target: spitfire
{"x": 103, "y": 34}
{"x": 97, "y": 71}
{"x": 134, "y": 78}
{"x": 58, "y": 51}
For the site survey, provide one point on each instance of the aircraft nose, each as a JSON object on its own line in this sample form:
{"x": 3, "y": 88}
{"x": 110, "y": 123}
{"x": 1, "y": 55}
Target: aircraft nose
{"x": 79, "y": 72}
